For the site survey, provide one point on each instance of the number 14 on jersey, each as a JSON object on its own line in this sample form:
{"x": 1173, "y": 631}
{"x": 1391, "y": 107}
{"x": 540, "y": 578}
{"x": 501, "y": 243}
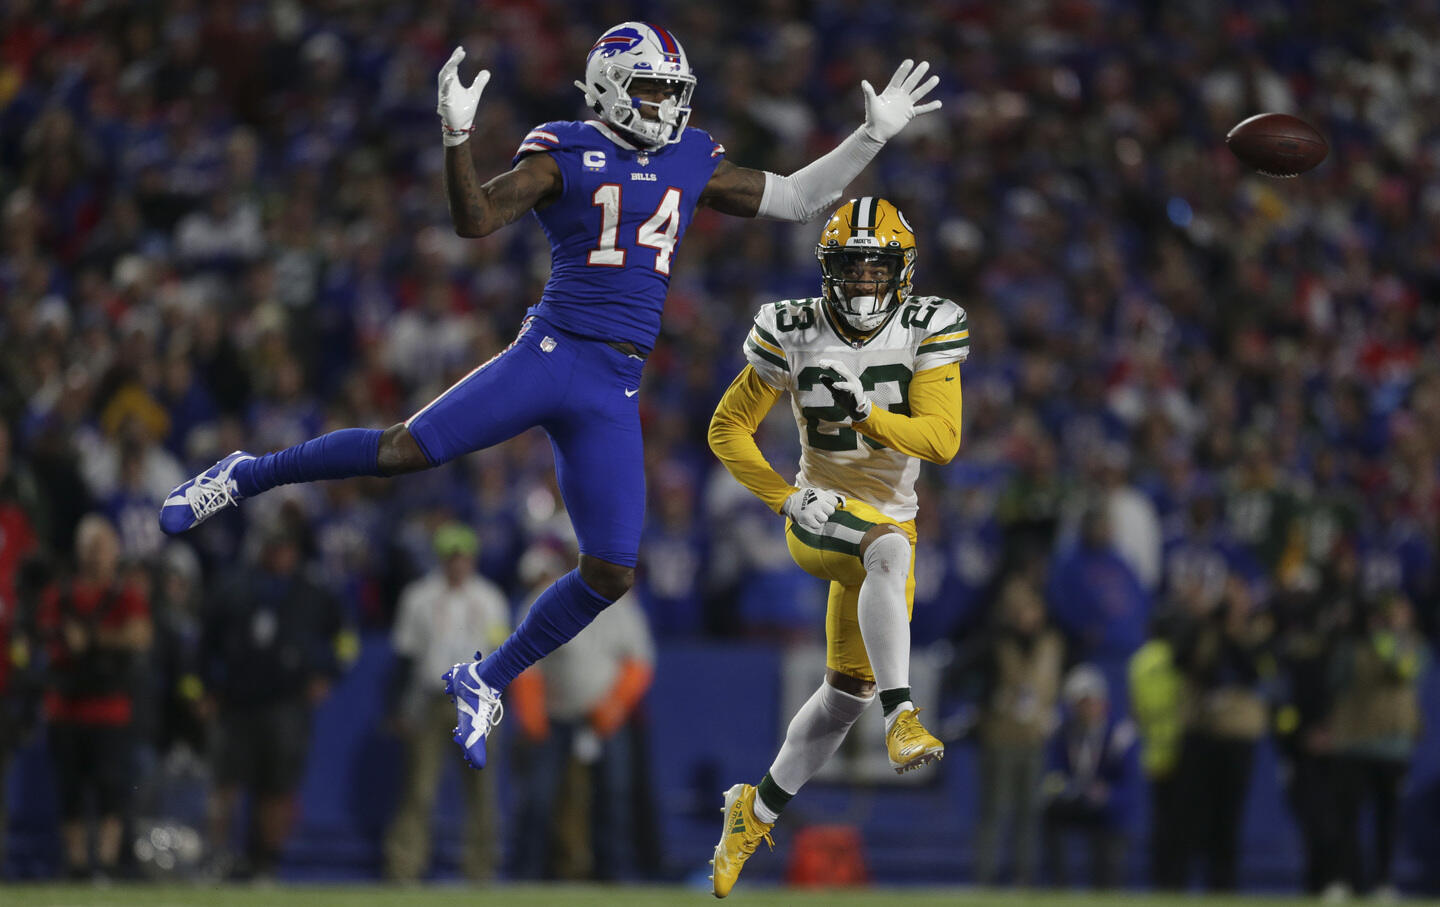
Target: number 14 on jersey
{"x": 658, "y": 232}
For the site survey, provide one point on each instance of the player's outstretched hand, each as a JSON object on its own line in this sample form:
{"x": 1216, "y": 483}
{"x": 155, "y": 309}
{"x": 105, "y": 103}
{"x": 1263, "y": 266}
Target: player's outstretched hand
{"x": 458, "y": 102}
{"x": 888, "y": 112}
{"x": 811, "y": 507}
{"x": 847, "y": 390}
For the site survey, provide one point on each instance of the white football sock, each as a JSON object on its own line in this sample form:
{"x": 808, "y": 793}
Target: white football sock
{"x": 884, "y": 622}
{"x": 813, "y": 736}
{"x": 764, "y": 813}
{"x": 902, "y": 708}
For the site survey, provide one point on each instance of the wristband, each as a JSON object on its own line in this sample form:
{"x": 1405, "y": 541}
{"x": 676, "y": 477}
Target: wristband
{"x": 455, "y": 137}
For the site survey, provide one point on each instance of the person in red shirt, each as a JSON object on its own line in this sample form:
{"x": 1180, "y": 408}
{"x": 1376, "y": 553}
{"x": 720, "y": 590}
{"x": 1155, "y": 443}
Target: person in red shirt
{"x": 18, "y": 541}
{"x": 95, "y": 626}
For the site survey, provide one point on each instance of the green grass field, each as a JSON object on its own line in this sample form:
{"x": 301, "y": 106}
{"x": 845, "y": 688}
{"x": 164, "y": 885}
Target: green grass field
{"x": 575, "y": 896}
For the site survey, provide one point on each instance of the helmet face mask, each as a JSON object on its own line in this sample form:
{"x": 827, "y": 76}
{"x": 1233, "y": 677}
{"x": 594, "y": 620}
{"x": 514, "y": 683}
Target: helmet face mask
{"x": 867, "y": 260}
{"x": 862, "y": 285}
{"x": 625, "y": 58}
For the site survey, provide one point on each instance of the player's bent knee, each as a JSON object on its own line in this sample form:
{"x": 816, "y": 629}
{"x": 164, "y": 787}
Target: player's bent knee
{"x": 844, "y": 708}
{"x": 399, "y": 452}
{"x": 608, "y": 580}
{"x": 849, "y": 684}
{"x": 891, "y": 539}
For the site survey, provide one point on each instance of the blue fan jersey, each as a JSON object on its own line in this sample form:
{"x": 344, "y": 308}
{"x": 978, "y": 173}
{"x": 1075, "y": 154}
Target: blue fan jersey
{"x": 616, "y": 226}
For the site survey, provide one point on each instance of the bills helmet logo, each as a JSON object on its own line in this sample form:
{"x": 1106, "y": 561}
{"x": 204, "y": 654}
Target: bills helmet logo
{"x": 616, "y": 41}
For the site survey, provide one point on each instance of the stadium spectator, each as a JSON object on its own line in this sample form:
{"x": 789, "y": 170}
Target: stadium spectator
{"x": 576, "y": 816}
{"x": 442, "y": 617}
{"x": 1029, "y": 508}
{"x": 176, "y": 716}
{"x": 1160, "y": 701}
{"x": 1134, "y": 523}
{"x": 1223, "y": 649}
{"x": 1260, "y": 508}
{"x": 1375, "y": 726}
{"x": 1095, "y": 597}
{"x": 670, "y": 579}
{"x": 1311, "y": 619}
{"x": 1017, "y": 667}
{"x": 95, "y": 625}
{"x": 1091, "y": 781}
{"x": 19, "y": 540}
{"x": 270, "y": 649}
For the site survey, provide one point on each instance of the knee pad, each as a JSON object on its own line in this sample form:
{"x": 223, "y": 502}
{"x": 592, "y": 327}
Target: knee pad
{"x": 841, "y": 705}
{"x": 889, "y": 554}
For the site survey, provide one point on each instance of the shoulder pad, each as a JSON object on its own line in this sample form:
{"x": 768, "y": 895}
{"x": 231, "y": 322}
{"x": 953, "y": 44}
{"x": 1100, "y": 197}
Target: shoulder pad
{"x": 702, "y": 139}
{"x": 940, "y": 314}
{"x": 551, "y": 136}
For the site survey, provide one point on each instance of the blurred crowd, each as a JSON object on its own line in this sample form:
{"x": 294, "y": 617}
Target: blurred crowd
{"x": 1202, "y": 410}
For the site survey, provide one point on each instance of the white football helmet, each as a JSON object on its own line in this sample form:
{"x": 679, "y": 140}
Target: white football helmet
{"x": 637, "y": 50}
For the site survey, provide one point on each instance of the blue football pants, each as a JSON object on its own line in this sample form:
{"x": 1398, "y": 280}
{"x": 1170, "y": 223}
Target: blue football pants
{"x": 585, "y": 395}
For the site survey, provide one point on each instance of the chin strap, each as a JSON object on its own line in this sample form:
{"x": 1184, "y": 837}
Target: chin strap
{"x": 591, "y": 99}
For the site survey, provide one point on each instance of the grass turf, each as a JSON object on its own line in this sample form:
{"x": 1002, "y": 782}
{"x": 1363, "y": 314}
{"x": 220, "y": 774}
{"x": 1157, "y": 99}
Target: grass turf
{"x": 577, "y": 896}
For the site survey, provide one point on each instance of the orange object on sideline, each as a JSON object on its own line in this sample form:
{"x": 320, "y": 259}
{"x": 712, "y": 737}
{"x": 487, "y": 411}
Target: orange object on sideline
{"x": 827, "y": 856}
{"x": 527, "y": 699}
{"x": 630, "y": 685}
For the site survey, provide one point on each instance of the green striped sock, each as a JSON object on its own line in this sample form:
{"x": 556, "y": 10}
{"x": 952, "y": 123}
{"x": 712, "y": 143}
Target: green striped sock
{"x": 892, "y": 699}
{"x": 772, "y": 796}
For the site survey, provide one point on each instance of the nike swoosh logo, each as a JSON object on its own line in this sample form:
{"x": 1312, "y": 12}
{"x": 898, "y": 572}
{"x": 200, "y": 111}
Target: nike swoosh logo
{"x": 464, "y": 703}
{"x": 632, "y": 393}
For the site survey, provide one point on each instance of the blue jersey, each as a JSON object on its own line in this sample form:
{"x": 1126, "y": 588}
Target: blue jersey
{"x": 615, "y": 228}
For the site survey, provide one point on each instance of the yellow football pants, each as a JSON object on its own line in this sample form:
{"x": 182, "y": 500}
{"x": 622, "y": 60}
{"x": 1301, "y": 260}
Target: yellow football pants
{"x": 834, "y": 555}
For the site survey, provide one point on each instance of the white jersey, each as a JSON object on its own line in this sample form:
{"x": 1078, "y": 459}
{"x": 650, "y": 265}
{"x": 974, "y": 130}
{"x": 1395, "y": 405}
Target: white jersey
{"x": 785, "y": 346}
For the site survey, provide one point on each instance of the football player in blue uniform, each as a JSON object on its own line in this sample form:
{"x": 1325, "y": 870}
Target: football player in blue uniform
{"x": 614, "y": 195}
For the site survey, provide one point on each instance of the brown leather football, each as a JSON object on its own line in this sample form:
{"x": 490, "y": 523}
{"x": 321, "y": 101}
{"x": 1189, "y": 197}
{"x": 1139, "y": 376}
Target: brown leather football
{"x": 1277, "y": 144}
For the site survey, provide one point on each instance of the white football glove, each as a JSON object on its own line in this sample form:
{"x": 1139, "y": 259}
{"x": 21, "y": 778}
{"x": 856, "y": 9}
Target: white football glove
{"x": 887, "y": 113}
{"x": 847, "y": 390}
{"x": 811, "y": 507}
{"x": 458, "y": 102}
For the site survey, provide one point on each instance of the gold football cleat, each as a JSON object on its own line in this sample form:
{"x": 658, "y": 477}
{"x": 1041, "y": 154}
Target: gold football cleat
{"x": 739, "y": 838}
{"x": 909, "y": 744}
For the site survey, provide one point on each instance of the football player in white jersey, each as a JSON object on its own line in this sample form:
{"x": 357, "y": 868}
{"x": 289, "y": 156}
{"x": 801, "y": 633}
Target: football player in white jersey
{"x": 873, "y": 375}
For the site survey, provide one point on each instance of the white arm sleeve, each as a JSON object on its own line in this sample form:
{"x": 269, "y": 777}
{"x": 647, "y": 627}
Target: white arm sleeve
{"x": 814, "y": 187}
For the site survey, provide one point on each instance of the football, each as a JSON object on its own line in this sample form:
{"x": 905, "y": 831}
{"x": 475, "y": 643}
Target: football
{"x": 1277, "y": 144}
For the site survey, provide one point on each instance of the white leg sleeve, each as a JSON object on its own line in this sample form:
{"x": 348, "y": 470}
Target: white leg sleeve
{"x": 814, "y": 187}
{"x": 814, "y": 734}
{"x": 884, "y": 625}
